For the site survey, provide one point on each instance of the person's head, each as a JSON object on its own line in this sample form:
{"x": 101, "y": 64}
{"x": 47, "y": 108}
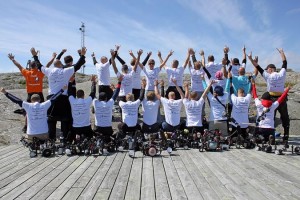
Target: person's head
{"x": 150, "y": 96}
{"x": 175, "y": 64}
{"x": 35, "y": 98}
{"x": 241, "y": 92}
{"x": 103, "y": 59}
{"x": 80, "y": 94}
{"x": 171, "y": 95}
{"x": 68, "y": 60}
{"x": 219, "y": 75}
{"x": 129, "y": 97}
{"x": 218, "y": 91}
{"x": 132, "y": 62}
{"x": 125, "y": 69}
{"x": 193, "y": 95}
{"x": 271, "y": 68}
{"x": 242, "y": 71}
{"x": 33, "y": 65}
{"x": 58, "y": 64}
{"x": 151, "y": 63}
{"x": 197, "y": 65}
{"x": 266, "y": 100}
{"x": 235, "y": 61}
{"x": 211, "y": 58}
{"x": 102, "y": 96}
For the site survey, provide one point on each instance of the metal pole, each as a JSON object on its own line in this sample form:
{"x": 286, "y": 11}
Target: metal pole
{"x": 82, "y": 29}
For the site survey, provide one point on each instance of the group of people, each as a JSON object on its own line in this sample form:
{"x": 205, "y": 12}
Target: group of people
{"x": 225, "y": 85}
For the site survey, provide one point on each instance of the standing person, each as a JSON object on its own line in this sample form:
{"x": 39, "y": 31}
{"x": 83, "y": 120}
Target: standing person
{"x": 241, "y": 81}
{"x": 57, "y": 77}
{"x": 175, "y": 72}
{"x": 80, "y": 108}
{"x": 265, "y": 112}
{"x": 103, "y": 73}
{"x": 34, "y": 79}
{"x": 172, "y": 108}
{"x": 36, "y": 113}
{"x": 193, "y": 108}
{"x": 196, "y": 73}
{"x": 235, "y": 64}
{"x": 103, "y": 110}
{"x": 275, "y": 87}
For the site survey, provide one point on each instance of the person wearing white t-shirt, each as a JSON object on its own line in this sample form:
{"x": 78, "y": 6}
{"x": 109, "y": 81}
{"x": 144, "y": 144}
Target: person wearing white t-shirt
{"x": 80, "y": 108}
{"x": 103, "y": 73}
{"x": 130, "y": 110}
{"x": 275, "y": 86}
{"x": 36, "y": 113}
{"x": 175, "y": 72}
{"x": 193, "y": 108}
{"x": 235, "y": 64}
{"x": 172, "y": 110}
{"x": 136, "y": 77}
{"x": 57, "y": 78}
{"x": 265, "y": 112}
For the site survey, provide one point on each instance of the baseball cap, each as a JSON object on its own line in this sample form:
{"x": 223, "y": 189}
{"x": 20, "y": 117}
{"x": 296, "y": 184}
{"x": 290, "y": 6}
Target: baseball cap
{"x": 219, "y": 90}
{"x": 236, "y": 61}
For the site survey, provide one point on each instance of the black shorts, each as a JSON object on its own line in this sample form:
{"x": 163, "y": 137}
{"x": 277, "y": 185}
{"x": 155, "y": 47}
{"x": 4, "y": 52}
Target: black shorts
{"x": 108, "y": 131}
{"x": 136, "y": 93}
{"x": 154, "y": 128}
{"x": 107, "y": 90}
{"x": 39, "y": 93}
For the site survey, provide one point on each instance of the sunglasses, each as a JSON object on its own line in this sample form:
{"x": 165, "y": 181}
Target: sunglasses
{"x": 151, "y": 63}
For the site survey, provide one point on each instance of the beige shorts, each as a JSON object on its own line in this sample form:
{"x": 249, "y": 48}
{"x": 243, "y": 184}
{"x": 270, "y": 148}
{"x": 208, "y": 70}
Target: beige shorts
{"x": 43, "y": 136}
{"x": 221, "y": 125}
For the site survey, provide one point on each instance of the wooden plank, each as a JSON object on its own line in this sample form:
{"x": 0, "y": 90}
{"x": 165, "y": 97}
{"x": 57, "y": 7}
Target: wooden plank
{"x": 108, "y": 182}
{"x": 119, "y": 188}
{"x": 162, "y": 190}
{"x": 147, "y": 187}
{"x": 55, "y": 183}
{"x": 68, "y": 183}
{"x": 92, "y": 187}
{"x": 187, "y": 182}
{"x": 133, "y": 190}
{"x": 9, "y": 148}
{"x": 20, "y": 170}
{"x": 12, "y": 162}
{"x": 83, "y": 181}
{"x": 202, "y": 184}
{"x": 25, "y": 176}
{"x": 176, "y": 188}
{"x": 17, "y": 190}
{"x": 210, "y": 177}
{"x": 12, "y": 152}
{"x": 40, "y": 186}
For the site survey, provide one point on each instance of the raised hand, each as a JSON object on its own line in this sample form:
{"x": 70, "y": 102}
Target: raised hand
{"x": 226, "y": 49}
{"x": 171, "y": 53}
{"x": 140, "y": 52}
{"x": 250, "y": 55}
{"x": 131, "y": 53}
{"x": 83, "y": 51}
{"x": 256, "y": 59}
{"x": 112, "y": 52}
{"x": 280, "y": 50}
{"x": 159, "y": 54}
{"x": 191, "y": 51}
{"x": 201, "y": 52}
{"x": 186, "y": 84}
{"x": 33, "y": 51}
{"x": 93, "y": 54}
{"x": 117, "y": 47}
{"x": 3, "y": 90}
{"x": 11, "y": 56}
{"x": 149, "y": 53}
{"x": 143, "y": 84}
{"x": 54, "y": 54}
{"x": 64, "y": 50}
{"x": 162, "y": 82}
{"x": 244, "y": 49}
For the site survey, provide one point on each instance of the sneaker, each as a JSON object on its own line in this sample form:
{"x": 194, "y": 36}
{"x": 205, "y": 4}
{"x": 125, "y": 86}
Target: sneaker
{"x": 24, "y": 129}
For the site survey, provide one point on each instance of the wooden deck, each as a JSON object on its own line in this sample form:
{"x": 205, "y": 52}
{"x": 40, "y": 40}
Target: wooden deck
{"x": 187, "y": 174}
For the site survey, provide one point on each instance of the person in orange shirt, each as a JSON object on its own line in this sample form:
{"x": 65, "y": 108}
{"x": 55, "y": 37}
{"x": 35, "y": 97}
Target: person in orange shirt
{"x": 34, "y": 79}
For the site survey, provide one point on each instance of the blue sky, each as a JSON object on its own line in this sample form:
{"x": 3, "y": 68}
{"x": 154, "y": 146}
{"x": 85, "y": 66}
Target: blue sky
{"x": 152, "y": 25}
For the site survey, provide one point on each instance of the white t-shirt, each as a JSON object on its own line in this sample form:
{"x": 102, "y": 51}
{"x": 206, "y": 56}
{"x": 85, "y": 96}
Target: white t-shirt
{"x": 36, "y": 117}
{"x": 103, "y": 112}
{"x": 235, "y": 69}
{"x": 136, "y": 77}
{"x": 172, "y": 110}
{"x": 58, "y": 78}
{"x": 216, "y": 109}
{"x": 240, "y": 107}
{"x": 193, "y": 111}
{"x": 275, "y": 81}
{"x": 175, "y": 73}
{"x": 130, "y": 112}
{"x": 196, "y": 80}
{"x": 103, "y": 73}
{"x": 126, "y": 84}
{"x": 221, "y": 83}
{"x": 151, "y": 76}
{"x": 80, "y": 111}
{"x": 268, "y": 122}
{"x": 150, "y": 109}
{"x": 212, "y": 68}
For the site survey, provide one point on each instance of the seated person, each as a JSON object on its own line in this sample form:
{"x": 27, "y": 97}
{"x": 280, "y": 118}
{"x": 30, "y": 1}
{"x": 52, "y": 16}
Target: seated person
{"x": 265, "y": 112}
{"x": 80, "y": 108}
{"x": 172, "y": 109}
{"x": 36, "y": 113}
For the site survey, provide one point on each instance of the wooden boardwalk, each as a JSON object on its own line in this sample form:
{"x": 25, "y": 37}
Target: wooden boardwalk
{"x": 187, "y": 174}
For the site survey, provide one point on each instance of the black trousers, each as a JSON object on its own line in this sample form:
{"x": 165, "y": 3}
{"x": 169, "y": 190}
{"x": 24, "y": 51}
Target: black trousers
{"x": 284, "y": 115}
{"x": 124, "y": 128}
{"x": 86, "y": 131}
{"x": 136, "y": 93}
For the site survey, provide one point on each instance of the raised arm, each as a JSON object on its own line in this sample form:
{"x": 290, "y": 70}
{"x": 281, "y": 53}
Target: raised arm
{"x": 224, "y": 71}
{"x": 192, "y": 54}
{"x": 202, "y": 57}
{"x": 159, "y": 57}
{"x": 186, "y": 89}
{"x": 81, "y": 60}
{"x": 61, "y": 53}
{"x": 51, "y": 61}
{"x": 284, "y": 62}
{"x": 244, "y": 55}
{"x": 178, "y": 88}
{"x": 207, "y": 72}
{"x": 165, "y": 61}
{"x": 12, "y": 58}
{"x": 137, "y": 60}
{"x": 226, "y": 50}
{"x": 12, "y": 97}
{"x": 187, "y": 58}
{"x": 113, "y": 63}
{"x": 142, "y": 92}
{"x": 255, "y": 64}
{"x": 35, "y": 57}
{"x": 147, "y": 58}
{"x": 93, "y": 87}
{"x": 94, "y": 58}
{"x": 72, "y": 87}
{"x": 284, "y": 95}
{"x": 117, "y": 90}
{"x": 207, "y": 89}
{"x": 156, "y": 89}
